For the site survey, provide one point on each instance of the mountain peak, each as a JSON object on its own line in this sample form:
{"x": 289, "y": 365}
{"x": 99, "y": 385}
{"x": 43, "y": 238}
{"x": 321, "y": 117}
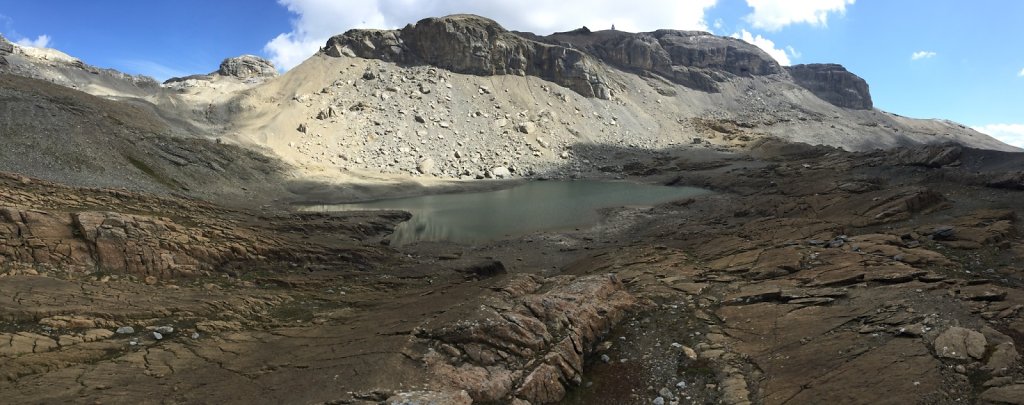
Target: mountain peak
{"x": 247, "y": 66}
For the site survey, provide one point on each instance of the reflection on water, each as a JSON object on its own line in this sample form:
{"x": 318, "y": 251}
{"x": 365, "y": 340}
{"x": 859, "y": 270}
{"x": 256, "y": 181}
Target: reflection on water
{"x": 533, "y": 206}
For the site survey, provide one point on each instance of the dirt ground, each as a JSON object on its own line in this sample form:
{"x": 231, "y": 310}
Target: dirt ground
{"x": 812, "y": 275}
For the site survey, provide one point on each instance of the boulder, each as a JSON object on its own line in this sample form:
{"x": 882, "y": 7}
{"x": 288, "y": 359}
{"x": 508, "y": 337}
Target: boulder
{"x": 247, "y": 66}
{"x": 833, "y": 83}
{"x": 426, "y": 166}
{"x": 501, "y": 172}
{"x": 960, "y": 343}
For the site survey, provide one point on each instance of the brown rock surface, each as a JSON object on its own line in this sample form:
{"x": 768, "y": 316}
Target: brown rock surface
{"x": 798, "y": 292}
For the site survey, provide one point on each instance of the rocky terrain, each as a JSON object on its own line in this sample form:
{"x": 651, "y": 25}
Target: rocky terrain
{"x": 150, "y": 251}
{"x": 813, "y": 275}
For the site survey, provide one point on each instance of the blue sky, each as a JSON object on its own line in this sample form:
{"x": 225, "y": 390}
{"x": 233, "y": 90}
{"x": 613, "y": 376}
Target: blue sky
{"x": 969, "y": 66}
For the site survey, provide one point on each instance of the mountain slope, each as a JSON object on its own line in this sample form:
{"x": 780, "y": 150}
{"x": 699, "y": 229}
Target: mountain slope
{"x": 59, "y": 134}
{"x": 461, "y": 97}
{"x": 487, "y": 100}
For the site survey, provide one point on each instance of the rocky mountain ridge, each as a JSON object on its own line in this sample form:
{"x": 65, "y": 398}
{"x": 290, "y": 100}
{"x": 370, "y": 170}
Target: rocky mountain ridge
{"x": 460, "y": 97}
{"x": 473, "y": 45}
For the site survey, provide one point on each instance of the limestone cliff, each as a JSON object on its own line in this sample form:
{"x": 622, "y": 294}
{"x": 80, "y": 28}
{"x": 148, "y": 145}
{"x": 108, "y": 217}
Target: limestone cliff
{"x": 694, "y": 59}
{"x": 833, "y": 83}
{"x": 474, "y": 45}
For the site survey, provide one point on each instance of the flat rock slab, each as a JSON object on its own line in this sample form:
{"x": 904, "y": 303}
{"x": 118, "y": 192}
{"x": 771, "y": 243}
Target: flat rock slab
{"x": 1010, "y": 394}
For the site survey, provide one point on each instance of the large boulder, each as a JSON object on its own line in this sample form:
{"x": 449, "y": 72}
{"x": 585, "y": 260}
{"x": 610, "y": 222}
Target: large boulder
{"x": 247, "y": 66}
{"x": 833, "y": 83}
{"x": 474, "y": 45}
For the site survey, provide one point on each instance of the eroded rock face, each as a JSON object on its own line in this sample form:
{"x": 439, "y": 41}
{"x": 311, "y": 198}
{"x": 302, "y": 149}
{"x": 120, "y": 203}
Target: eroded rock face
{"x": 247, "y": 66}
{"x": 474, "y": 45}
{"x": 694, "y": 59}
{"x": 833, "y": 83}
{"x": 133, "y": 244}
{"x": 6, "y": 47}
{"x": 529, "y": 341}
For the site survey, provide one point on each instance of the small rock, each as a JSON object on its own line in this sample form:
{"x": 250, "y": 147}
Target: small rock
{"x": 125, "y": 330}
{"x": 96, "y": 334}
{"x": 526, "y": 127}
{"x": 157, "y": 335}
{"x": 501, "y": 172}
{"x": 426, "y": 166}
{"x": 689, "y": 352}
{"x": 659, "y": 401}
{"x": 944, "y": 232}
{"x": 605, "y": 358}
{"x": 165, "y": 329}
{"x": 666, "y": 393}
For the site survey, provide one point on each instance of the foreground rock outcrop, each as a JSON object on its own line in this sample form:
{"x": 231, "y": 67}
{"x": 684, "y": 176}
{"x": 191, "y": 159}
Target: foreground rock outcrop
{"x": 529, "y": 340}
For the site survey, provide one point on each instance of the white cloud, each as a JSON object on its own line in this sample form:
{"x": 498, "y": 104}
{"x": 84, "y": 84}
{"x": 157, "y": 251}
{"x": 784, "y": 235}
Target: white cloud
{"x": 922, "y": 55}
{"x": 1021, "y": 73}
{"x": 768, "y": 46}
{"x": 318, "y": 20}
{"x": 1012, "y": 134}
{"x": 773, "y": 15}
{"x": 793, "y": 52}
{"x": 41, "y": 41}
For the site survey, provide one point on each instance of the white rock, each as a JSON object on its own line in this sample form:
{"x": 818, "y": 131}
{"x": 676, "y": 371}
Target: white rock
{"x": 501, "y": 172}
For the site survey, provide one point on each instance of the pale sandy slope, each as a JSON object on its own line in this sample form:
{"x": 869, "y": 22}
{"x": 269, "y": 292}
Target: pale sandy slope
{"x": 474, "y": 123}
